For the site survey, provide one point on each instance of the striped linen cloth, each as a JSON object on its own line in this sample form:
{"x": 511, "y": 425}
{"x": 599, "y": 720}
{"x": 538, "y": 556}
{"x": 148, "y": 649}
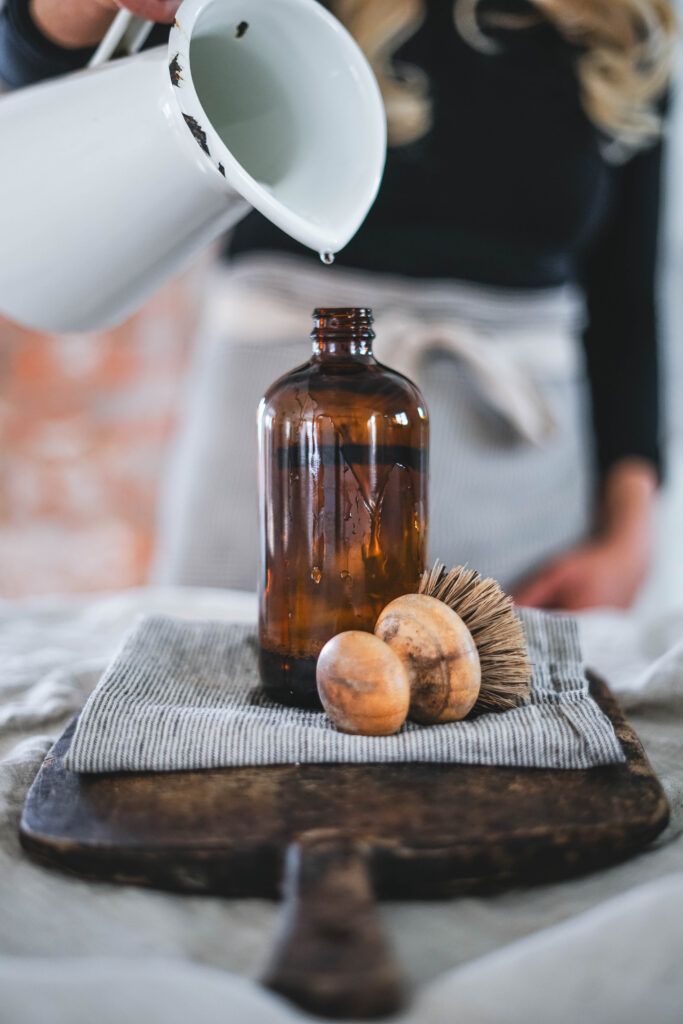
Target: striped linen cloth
{"x": 185, "y": 695}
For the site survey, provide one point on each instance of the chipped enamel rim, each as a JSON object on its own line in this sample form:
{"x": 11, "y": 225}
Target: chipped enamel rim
{"x": 216, "y": 153}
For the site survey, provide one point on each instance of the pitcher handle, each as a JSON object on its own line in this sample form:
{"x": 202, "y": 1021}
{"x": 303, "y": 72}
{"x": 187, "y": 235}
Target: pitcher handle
{"x": 126, "y": 35}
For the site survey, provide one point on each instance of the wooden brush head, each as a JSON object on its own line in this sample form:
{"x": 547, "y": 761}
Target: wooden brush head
{"x": 489, "y": 615}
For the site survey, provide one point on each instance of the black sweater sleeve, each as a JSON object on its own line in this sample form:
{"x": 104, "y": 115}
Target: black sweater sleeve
{"x": 619, "y": 276}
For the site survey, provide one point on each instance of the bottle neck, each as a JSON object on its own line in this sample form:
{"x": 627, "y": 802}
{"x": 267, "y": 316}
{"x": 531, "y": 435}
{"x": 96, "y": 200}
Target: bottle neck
{"x": 342, "y": 335}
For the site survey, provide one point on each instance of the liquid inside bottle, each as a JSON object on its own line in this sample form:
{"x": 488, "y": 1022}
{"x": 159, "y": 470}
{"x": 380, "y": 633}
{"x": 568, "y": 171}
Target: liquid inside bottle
{"x": 343, "y": 444}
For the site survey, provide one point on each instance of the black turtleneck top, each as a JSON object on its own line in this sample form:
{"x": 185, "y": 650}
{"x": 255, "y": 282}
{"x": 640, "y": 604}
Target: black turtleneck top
{"x": 510, "y": 187}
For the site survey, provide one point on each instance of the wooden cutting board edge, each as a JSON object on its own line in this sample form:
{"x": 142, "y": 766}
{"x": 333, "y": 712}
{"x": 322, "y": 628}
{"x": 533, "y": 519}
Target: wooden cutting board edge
{"x": 403, "y": 870}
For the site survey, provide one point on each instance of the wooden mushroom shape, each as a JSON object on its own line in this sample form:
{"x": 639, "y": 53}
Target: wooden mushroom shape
{"x": 363, "y": 684}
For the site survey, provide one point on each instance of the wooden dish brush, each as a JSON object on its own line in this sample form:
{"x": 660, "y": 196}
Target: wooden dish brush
{"x": 454, "y": 647}
{"x": 489, "y": 614}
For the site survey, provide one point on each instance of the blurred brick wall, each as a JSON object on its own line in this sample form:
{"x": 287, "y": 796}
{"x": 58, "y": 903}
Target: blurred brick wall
{"x": 85, "y": 422}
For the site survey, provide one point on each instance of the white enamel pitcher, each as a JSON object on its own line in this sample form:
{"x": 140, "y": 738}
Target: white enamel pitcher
{"x": 113, "y": 178}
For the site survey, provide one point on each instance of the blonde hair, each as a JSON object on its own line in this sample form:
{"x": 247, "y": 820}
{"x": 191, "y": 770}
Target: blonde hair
{"x": 624, "y": 58}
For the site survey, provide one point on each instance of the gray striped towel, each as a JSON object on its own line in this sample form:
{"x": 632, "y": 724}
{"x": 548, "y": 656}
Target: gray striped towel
{"x": 185, "y": 695}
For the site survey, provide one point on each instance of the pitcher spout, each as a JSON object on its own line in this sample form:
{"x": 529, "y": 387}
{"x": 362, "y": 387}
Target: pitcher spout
{"x": 121, "y": 174}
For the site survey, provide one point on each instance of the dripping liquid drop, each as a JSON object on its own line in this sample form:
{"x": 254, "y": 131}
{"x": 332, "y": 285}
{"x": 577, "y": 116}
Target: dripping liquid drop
{"x": 327, "y": 258}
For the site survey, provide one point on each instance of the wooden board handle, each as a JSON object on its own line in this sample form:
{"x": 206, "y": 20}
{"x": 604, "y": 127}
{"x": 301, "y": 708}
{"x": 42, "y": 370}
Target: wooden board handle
{"x": 331, "y": 957}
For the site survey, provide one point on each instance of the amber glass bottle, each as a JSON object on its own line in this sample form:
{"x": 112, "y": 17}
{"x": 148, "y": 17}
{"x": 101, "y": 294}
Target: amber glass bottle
{"x": 343, "y": 445}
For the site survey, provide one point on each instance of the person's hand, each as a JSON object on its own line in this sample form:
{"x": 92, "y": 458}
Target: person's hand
{"x": 607, "y": 571}
{"x": 82, "y": 23}
{"x": 603, "y": 573}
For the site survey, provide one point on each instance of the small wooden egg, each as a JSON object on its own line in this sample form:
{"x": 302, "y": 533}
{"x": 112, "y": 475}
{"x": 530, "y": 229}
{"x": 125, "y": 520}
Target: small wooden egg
{"x": 439, "y": 654}
{"x": 362, "y": 684}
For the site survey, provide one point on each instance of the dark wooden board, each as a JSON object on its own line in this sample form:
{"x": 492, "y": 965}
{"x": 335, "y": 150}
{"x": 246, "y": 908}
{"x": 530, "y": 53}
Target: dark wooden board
{"x": 341, "y": 835}
{"x": 430, "y": 830}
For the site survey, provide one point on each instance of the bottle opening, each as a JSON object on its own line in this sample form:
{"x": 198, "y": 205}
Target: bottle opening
{"x": 343, "y": 317}
{"x": 343, "y": 328}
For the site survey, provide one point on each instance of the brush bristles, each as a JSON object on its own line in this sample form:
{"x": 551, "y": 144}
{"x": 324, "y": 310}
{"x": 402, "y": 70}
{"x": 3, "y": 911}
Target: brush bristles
{"x": 489, "y": 615}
